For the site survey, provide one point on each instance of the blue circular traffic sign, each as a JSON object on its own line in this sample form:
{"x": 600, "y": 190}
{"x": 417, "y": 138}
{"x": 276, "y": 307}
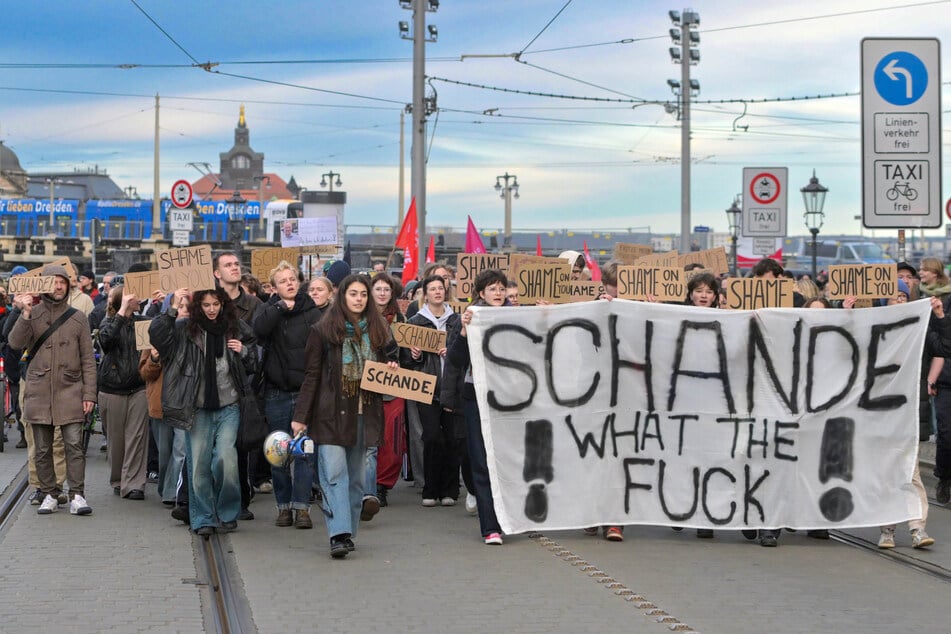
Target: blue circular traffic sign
{"x": 901, "y": 78}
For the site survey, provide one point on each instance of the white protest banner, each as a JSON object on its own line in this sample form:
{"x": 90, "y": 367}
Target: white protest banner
{"x": 317, "y": 231}
{"x": 613, "y": 413}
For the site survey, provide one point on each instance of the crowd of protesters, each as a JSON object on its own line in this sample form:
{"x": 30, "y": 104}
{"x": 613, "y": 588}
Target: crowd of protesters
{"x": 172, "y": 414}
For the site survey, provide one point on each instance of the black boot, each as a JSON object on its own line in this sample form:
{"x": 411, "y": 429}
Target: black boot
{"x": 381, "y": 495}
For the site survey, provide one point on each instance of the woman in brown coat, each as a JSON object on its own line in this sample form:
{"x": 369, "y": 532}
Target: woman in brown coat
{"x": 341, "y": 418}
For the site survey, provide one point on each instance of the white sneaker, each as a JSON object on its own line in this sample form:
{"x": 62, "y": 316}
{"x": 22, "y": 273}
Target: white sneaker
{"x": 887, "y": 538}
{"x": 447, "y": 501}
{"x": 471, "y": 506}
{"x": 920, "y": 539}
{"x": 78, "y": 506}
{"x": 48, "y": 506}
{"x": 429, "y": 502}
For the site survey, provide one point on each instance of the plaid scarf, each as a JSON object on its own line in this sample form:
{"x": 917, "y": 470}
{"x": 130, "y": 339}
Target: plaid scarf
{"x": 355, "y": 351}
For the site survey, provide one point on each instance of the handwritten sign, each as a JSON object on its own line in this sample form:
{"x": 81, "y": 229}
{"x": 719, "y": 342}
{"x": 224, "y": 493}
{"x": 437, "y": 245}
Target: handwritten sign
{"x": 263, "y": 260}
{"x": 319, "y": 249}
{"x": 142, "y": 341}
{"x": 409, "y": 384}
{"x": 516, "y": 260}
{"x": 32, "y": 284}
{"x": 63, "y": 262}
{"x": 580, "y": 291}
{"x": 678, "y": 416}
{"x": 713, "y": 260}
{"x": 413, "y": 336}
{"x": 752, "y": 293}
{"x": 457, "y": 307}
{"x": 469, "y": 265}
{"x": 190, "y": 267}
{"x": 670, "y": 258}
{"x": 542, "y": 282}
{"x": 664, "y": 283}
{"x": 864, "y": 281}
{"x": 626, "y": 253}
{"x": 142, "y": 284}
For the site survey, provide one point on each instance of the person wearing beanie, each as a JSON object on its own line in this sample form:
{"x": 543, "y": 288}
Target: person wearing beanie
{"x": 19, "y": 269}
{"x": 60, "y": 390}
{"x": 337, "y": 271}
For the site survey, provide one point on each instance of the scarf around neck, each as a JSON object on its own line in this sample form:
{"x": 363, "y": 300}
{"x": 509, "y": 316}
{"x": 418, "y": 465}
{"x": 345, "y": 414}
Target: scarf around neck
{"x": 934, "y": 290}
{"x": 355, "y": 351}
{"x": 214, "y": 350}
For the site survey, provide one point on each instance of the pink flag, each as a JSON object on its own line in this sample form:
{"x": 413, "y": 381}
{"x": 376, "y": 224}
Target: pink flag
{"x": 538, "y": 245}
{"x": 592, "y": 264}
{"x": 473, "y": 241}
{"x": 431, "y": 251}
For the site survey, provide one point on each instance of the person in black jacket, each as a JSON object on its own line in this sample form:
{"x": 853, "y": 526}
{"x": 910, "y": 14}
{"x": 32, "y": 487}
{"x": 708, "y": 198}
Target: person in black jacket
{"x": 282, "y": 326}
{"x": 207, "y": 359}
{"x": 440, "y": 445}
{"x": 123, "y": 405}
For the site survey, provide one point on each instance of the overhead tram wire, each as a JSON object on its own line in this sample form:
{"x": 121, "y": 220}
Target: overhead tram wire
{"x": 545, "y": 28}
{"x": 164, "y": 32}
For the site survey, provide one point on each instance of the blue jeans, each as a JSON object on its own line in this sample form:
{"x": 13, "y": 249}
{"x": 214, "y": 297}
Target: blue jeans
{"x": 369, "y": 485}
{"x": 291, "y": 484}
{"x": 171, "y": 449}
{"x": 488, "y": 522}
{"x": 341, "y": 472}
{"x": 213, "y": 488}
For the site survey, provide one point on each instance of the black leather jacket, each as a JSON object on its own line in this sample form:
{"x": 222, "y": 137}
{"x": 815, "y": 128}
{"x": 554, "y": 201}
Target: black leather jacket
{"x": 119, "y": 370}
{"x": 183, "y": 360}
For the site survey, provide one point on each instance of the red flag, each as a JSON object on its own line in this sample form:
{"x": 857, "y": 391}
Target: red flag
{"x": 408, "y": 240}
{"x": 410, "y": 256}
{"x": 431, "y": 251}
{"x": 473, "y": 241}
{"x": 538, "y": 244}
{"x": 409, "y": 231}
{"x": 592, "y": 264}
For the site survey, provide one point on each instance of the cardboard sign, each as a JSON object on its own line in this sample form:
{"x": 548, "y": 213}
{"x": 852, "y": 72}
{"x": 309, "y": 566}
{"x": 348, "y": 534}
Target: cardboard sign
{"x": 142, "y": 341}
{"x": 580, "y": 291}
{"x": 689, "y": 275}
{"x": 626, "y": 253}
{"x": 64, "y": 262}
{"x": 142, "y": 284}
{"x": 542, "y": 282}
{"x": 263, "y": 260}
{"x": 714, "y": 260}
{"x": 457, "y": 307}
{"x": 863, "y": 281}
{"x": 415, "y": 386}
{"x": 468, "y": 265}
{"x": 752, "y": 293}
{"x": 319, "y": 249}
{"x": 32, "y": 284}
{"x": 411, "y": 335}
{"x": 664, "y": 283}
{"x": 516, "y": 260}
{"x": 659, "y": 259}
{"x": 191, "y": 268}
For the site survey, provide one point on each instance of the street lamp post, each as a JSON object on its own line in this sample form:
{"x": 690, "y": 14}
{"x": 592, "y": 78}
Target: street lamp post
{"x": 52, "y": 182}
{"x": 237, "y": 206}
{"x": 733, "y": 218}
{"x": 260, "y": 180}
{"x": 814, "y": 197}
{"x": 506, "y": 194}
{"x": 324, "y": 182}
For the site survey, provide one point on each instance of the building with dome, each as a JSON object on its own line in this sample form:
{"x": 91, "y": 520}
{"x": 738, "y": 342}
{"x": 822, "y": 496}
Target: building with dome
{"x": 13, "y": 178}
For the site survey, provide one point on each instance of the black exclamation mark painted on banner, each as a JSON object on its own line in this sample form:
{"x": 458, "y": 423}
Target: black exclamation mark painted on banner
{"x": 835, "y": 461}
{"x": 538, "y": 453}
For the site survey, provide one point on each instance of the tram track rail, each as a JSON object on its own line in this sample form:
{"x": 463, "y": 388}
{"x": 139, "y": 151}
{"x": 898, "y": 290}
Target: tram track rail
{"x": 897, "y": 556}
{"x": 224, "y": 602}
{"x": 16, "y": 493}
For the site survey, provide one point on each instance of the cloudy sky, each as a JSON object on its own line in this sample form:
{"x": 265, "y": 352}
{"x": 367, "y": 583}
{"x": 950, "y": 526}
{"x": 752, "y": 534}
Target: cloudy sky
{"x": 324, "y": 83}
